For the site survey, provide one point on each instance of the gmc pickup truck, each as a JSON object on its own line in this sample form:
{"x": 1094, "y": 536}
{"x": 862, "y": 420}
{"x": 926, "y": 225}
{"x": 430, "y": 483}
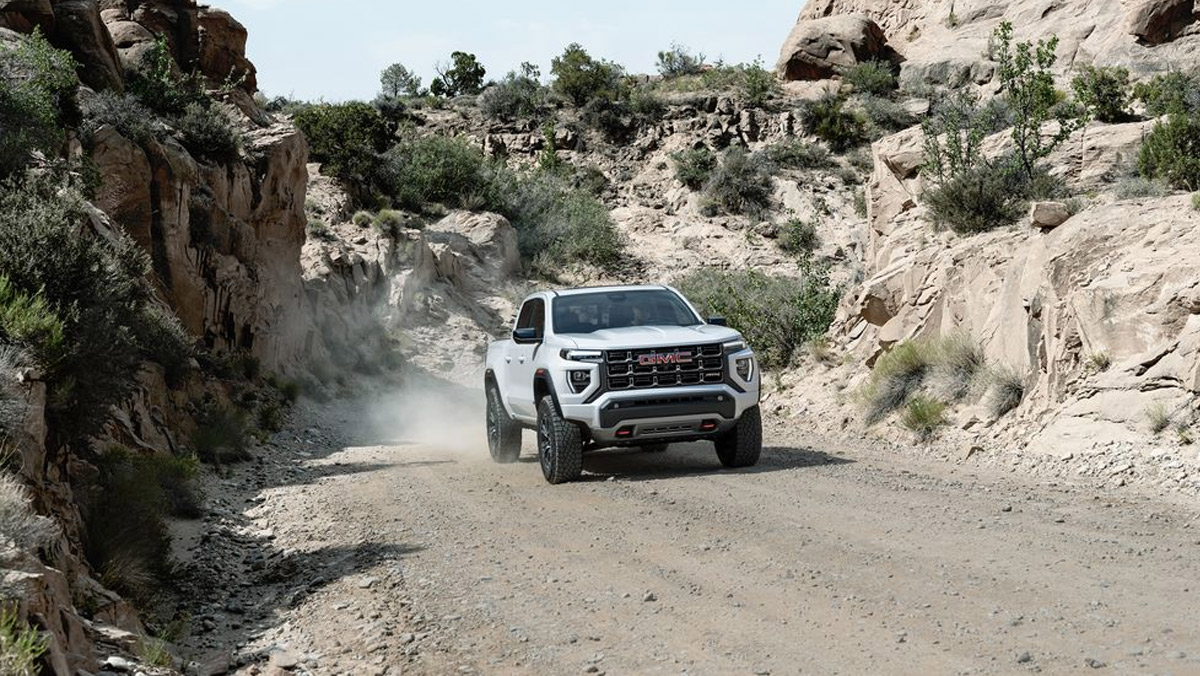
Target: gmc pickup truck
{"x": 619, "y": 366}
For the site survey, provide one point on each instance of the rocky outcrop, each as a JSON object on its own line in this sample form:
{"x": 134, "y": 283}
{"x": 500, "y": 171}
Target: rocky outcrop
{"x": 73, "y": 25}
{"x": 821, "y": 48}
{"x": 1158, "y": 21}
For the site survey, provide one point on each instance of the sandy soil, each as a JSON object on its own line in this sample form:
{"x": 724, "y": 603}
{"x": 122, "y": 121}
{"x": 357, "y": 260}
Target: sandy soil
{"x": 349, "y": 547}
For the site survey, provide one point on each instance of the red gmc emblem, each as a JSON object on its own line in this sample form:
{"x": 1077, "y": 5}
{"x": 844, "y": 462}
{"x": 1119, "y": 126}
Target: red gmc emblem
{"x": 659, "y": 358}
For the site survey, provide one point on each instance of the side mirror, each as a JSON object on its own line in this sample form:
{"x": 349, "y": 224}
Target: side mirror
{"x": 526, "y": 335}
{"x": 718, "y": 321}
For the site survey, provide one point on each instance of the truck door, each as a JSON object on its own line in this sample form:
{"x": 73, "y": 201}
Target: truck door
{"x": 521, "y": 359}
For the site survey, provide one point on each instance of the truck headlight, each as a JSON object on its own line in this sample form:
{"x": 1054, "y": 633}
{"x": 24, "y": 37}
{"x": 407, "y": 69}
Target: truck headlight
{"x": 579, "y": 380}
{"x": 735, "y": 346}
{"x": 745, "y": 368}
{"x": 582, "y": 355}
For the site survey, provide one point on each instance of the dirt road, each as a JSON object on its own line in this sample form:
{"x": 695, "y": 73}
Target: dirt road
{"x": 348, "y": 553}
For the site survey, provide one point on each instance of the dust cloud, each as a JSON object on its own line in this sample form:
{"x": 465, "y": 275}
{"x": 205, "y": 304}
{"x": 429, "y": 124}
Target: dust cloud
{"x": 431, "y": 412}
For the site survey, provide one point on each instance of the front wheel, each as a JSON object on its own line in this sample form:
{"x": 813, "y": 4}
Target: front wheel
{"x": 503, "y": 433}
{"x": 560, "y": 445}
{"x": 741, "y": 446}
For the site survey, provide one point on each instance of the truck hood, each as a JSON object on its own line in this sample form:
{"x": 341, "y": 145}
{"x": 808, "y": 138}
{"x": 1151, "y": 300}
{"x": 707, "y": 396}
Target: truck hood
{"x": 651, "y": 336}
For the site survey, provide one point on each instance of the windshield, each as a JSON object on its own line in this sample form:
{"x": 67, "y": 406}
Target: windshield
{"x": 588, "y": 312}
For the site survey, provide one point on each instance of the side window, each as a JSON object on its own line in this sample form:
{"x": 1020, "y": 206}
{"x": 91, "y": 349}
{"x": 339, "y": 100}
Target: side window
{"x": 533, "y": 316}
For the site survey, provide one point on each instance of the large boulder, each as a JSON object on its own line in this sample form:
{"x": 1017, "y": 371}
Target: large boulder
{"x": 223, "y": 49}
{"x": 818, "y": 49}
{"x": 1157, "y": 21}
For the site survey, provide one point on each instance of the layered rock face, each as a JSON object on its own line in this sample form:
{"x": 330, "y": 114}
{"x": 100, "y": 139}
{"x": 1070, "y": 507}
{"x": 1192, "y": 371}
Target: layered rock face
{"x": 943, "y": 41}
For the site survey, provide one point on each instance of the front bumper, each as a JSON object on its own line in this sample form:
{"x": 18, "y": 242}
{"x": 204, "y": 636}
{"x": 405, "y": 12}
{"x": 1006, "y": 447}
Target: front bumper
{"x": 661, "y": 414}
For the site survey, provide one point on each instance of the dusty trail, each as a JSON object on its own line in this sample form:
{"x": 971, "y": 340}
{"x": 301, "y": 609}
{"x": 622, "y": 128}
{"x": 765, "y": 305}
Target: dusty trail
{"x": 821, "y": 560}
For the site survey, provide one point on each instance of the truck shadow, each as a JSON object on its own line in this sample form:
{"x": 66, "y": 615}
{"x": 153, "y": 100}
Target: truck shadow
{"x": 692, "y": 459}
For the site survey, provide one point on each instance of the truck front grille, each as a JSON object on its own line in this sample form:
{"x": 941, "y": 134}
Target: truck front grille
{"x": 664, "y": 367}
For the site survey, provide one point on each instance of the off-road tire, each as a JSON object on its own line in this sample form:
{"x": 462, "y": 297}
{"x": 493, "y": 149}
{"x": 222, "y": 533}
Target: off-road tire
{"x": 503, "y": 433}
{"x": 560, "y": 445}
{"x": 655, "y": 448}
{"x": 741, "y": 446}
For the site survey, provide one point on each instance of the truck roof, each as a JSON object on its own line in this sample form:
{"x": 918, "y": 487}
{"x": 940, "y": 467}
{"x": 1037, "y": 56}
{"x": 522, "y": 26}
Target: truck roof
{"x": 604, "y": 289}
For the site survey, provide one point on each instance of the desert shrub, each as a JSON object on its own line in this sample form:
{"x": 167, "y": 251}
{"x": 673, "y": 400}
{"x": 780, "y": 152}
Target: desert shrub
{"x": 390, "y": 222}
{"x": 877, "y": 78}
{"x": 1196, "y": 201}
{"x": 123, "y": 112}
{"x": 463, "y": 75}
{"x": 162, "y": 339}
{"x": 159, "y": 85}
{"x": 885, "y": 115}
{"x": 437, "y": 169}
{"x": 318, "y": 229}
{"x": 581, "y": 78}
{"x": 362, "y": 219}
{"x": 897, "y": 376}
{"x": 1158, "y": 417}
{"x": 828, "y": 120}
{"x": 1099, "y": 361}
{"x": 1025, "y": 74}
{"x": 620, "y": 117}
{"x": 30, "y": 322}
{"x": 37, "y": 85}
{"x": 590, "y": 179}
{"x": 396, "y": 80}
{"x": 796, "y": 154}
{"x": 21, "y": 646}
{"x": 557, "y": 225}
{"x": 923, "y": 415}
{"x": 799, "y": 237}
{"x": 693, "y": 167}
{"x": 347, "y": 139}
{"x": 1006, "y": 392}
{"x": 758, "y": 84}
{"x": 1173, "y": 92}
{"x": 516, "y": 96}
{"x": 126, "y": 538}
{"x": 1138, "y": 187}
{"x": 679, "y": 61}
{"x": 94, "y": 285}
{"x": 221, "y": 433}
{"x": 208, "y": 135}
{"x": 977, "y": 200}
{"x": 1171, "y": 152}
{"x": 776, "y": 314}
{"x": 860, "y": 203}
{"x": 18, "y": 521}
{"x": 741, "y": 184}
{"x": 1104, "y": 92}
{"x": 958, "y": 364}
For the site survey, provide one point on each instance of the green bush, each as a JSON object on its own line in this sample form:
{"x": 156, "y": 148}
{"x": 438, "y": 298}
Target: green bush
{"x": 742, "y": 184}
{"x": 558, "y": 225}
{"x": 799, "y": 237}
{"x": 1138, "y": 187}
{"x": 1173, "y": 92}
{"x": 160, "y": 86}
{"x": 796, "y": 154}
{"x": 828, "y": 120}
{"x": 1171, "y": 152}
{"x": 126, "y": 539}
{"x": 362, "y": 219}
{"x": 390, "y": 222}
{"x": 758, "y": 84}
{"x": 877, "y": 78}
{"x": 977, "y": 200}
{"x": 897, "y": 376}
{"x": 29, "y": 322}
{"x": 776, "y": 314}
{"x": 1104, "y": 92}
{"x": 208, "y": 135}
{"x": 221, "y": 434}
{"x": 679, "y": 61}
{"x": 1196, "y": 201}
{"x": 463, "y": 75}
{"x": 1007, "y": 391}
{"x": 347, "y": 139}
{"x": 21, "y": 645}
{"x": 163, "y": 340}
{"x": 438, "y": 169}
{"x": 123, "y": 112}
{"x": 37, "y": 88}
{"x": 923, "y": 415}
{"x": 94, "y": 285}
{"x": 693, "y": 167}
{"x": 580, "y": 78}
{"x": 958, "y": 363}
{"x": 885, "y": 115}
{"x": 518, "y": 95}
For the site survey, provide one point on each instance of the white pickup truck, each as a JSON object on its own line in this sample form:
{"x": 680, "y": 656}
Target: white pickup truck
{"x": 619, "y": 366}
